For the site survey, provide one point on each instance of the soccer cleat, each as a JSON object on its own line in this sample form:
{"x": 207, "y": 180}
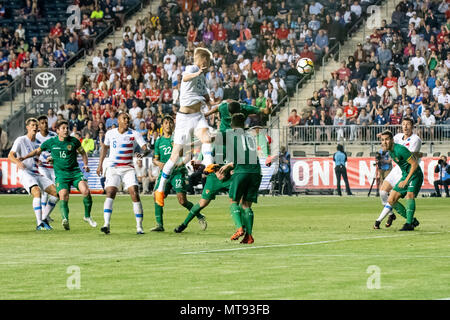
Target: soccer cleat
{"x": 50, "y": 220}
{"x": 139, "y": 230}
{"x": 158, "y": 228}
{"x": 91, "y": 222}
{"x": 46, "y": 225}
{"x": 415, "y": 223}
{"x": 203, "y": 223}
{"x": 390, "y": 219}
{"x": 377, "y": 225}
{"x": 407, "y": 227}
{"x": 159, "y": 198}
{"x": 239, "y": 233}
{"x": 213, "y": 167}
{"x": 65, "y": 224}
{"x": 105, "y": 229}
{"x": 180, "y": 228}
{"x": 248, "y": 239}
{"x": 40, "y": 227}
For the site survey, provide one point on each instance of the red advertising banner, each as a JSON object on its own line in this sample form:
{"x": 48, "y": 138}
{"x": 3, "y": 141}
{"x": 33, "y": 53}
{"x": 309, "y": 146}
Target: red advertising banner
{"x": 318, "y": 173}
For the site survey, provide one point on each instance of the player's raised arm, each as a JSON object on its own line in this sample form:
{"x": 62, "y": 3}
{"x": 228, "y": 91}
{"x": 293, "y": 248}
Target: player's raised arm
{"x": 213, "y": 110}
{"x": 32, "y": 154}
{"x": 191, "y": 76}
{"x": 85, "y": 158}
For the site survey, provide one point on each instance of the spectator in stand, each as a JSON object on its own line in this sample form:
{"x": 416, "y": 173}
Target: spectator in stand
{"x": 88, "y": 144}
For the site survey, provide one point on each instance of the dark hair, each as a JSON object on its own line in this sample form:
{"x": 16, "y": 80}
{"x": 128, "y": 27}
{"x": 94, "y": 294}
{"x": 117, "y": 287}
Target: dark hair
{"x": 60, "y": 123}
{"x": 42, "y": 117}
{"x": 409, "y": 119}
{"x": 238, "y": 120}
{"x": 234, "y": 107}
{"x": 387, "y": 133}
{"x": 167, "y": 117}
{"x": 340, "y": 147}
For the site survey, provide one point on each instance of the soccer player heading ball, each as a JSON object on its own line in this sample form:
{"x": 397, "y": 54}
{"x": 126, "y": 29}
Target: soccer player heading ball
{"x": 410, "y": 183}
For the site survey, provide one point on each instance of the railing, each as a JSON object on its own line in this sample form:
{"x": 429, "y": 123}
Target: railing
{"x": 360, "y": 134}
{"x": 8, "y": 94}
{"x": 72, "y": 60}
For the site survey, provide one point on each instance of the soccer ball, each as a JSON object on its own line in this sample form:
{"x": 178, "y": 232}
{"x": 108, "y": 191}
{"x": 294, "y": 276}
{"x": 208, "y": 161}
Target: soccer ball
{"x": 305, "y": 65}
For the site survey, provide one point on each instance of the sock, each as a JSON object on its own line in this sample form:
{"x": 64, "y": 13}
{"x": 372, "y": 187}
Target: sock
{"x": 248, "y": 220}
{"x": 138, "y": 213}
{"x": 387, "y": 208}
{"x": 44, "y": 199}
{"x": 400, "y": 209}
{"x": 194, "y": 212}
{"x": 410, "y": 209}
{"x": 165, "y": 174}
{"x": 107, "y": 210}
{"x": 37, "y": 210}
{"x": 159, "y": 214}
{"x": 384, "y": 197}
{"x": 207, "y": 154}
{"x": 64, "y": 207}
{"x": 49, "y": 206}
{"x": 188, "y": 205}
{"x": 236, "y": 215}
{"x": 87, "y": 201}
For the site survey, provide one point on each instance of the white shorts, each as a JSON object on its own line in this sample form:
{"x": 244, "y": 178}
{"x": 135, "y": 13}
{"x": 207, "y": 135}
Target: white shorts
{"x": 394, "y": 176}
{"x": 29, "y": 180}
{"x": 114, "y": 176}
{"x": 48, "y": 173}
{"x": 186, "y": 125}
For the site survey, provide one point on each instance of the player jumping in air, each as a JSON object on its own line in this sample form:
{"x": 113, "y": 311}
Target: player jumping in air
{"x": 190, "y": 119}
{"x": 176, "y": 180}
{"x": 45, "y": 163}
{"x": 29, "y": 176}
{"x": 245, "y": 180}
{"x": 413, "y": 143}
{"x": 121, "y": 143}
{"x": 64, "y": 150}
{"x": 409, "y": 184}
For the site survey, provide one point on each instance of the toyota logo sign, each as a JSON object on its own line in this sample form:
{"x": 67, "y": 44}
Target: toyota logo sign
{"x": 45, "y": 79}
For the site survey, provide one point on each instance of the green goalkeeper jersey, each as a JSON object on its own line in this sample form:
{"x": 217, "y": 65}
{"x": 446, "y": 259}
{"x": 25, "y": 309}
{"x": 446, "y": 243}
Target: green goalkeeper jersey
{"x": 244, "y": 156}
{"x": 225, "y": 116}
{"x": 400, "y": 154}
{"x": 64, "y": 154}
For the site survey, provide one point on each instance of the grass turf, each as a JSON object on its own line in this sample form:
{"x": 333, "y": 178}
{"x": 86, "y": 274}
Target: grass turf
{"x": 305, "y": 248}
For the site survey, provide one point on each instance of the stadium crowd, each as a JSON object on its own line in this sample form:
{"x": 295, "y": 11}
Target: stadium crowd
{"x": 400, "y": 70}
{"x": 255, "y": 47}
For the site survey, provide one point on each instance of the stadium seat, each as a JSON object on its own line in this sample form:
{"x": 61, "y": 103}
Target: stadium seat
{"x": 424, "y": 154}
{"x": 436, "y": 154}
{"x": 322, "y": 153}
{"x": 373, "y": 154}
{"x": 349, "y": 154}
{"x": 360, "y": 154}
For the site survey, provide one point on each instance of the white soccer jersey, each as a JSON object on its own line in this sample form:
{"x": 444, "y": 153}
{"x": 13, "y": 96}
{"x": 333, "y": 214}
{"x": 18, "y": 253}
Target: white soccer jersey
{"x": 192, "y": 92}
{"x": 40, "y": 139}
{"x": 23, "y": 146}
{"x": 121, "y": 147}
{"x": 413, "y": 143}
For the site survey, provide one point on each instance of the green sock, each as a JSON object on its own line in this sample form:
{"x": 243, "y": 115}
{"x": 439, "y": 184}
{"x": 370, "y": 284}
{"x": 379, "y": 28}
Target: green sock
{"x": 248, "y": 220}
{"x": 188, "y": 205}
{"x": 400, "y": 209}
{"x": 159, "y": 214}
{"x": 242, "y": 215}
{"x": 410, "y": 209}
{"x": 87, "y": 201}
{"x": 64, "y": 208}
{"x": 194, "y": 212}
{"x": 236, "y": 215}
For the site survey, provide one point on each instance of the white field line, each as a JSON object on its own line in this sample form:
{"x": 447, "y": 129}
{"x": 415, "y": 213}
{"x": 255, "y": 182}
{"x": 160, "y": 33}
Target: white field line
{"x": 306, "y": 243}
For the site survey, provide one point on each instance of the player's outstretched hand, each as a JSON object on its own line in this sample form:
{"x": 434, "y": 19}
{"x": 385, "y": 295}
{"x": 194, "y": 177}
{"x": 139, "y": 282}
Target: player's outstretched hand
{"x": 402, "y": 184}
{"x": 269, "y": 161}
{"x": 99, "y": 171}
{"x": 20, "y": 165}
{"x": 86, "y": 168}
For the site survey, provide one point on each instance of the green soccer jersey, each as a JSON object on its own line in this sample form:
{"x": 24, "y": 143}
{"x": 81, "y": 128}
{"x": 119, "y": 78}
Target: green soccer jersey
{"x": 401, "y": 155}
{"x": 225, "y": 116}
{"x": 244, "y": 156}
{"x": 163, "y": 148}
{"x": 64, "y": 154}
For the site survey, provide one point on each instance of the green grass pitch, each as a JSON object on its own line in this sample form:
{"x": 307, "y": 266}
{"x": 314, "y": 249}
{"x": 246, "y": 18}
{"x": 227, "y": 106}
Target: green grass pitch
{"x": 305, "y": 248}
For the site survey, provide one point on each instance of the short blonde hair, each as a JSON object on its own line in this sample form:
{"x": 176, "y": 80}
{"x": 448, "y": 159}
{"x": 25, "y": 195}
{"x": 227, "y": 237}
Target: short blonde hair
{"x": 30, "y": 120}
{"x": 203, "y": 52}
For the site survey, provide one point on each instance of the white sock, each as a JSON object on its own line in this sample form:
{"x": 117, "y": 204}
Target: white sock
{"x": 107, "y": 210}
{"x": 207, "y": 154}
{"x": 49, "y": 206}
{"x": 387, "y": 208}
{"x": 37, "y": 210}
{"x": 384, "y": 196}
{"x": 138, "y": 213}
{"x": 44, "y": 199}
{"x": 166, "y": 172}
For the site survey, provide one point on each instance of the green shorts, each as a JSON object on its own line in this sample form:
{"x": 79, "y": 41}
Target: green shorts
{"x": 213, "y": 186}
{"x": 414, "y": 185}
{"x": 65, "y": 182}
{"x": 177, "y": 181}
{"x": 245, "y": 186}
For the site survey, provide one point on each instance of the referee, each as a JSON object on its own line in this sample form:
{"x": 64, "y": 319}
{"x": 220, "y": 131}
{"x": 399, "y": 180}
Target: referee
{"x": 340, "y": 158}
